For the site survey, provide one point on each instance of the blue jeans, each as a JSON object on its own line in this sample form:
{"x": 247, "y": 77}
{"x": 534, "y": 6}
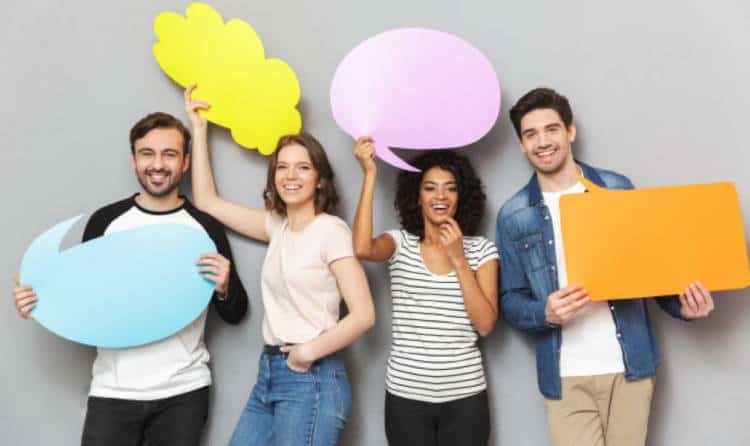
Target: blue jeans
{"x": 288, "y": 408}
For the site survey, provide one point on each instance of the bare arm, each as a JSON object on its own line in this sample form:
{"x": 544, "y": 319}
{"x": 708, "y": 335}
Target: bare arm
{"x": 246, "y": 221}
{"x": 479, "y": 289}
{"x": 367, "y": 248}
{"x": 356, "y": 293}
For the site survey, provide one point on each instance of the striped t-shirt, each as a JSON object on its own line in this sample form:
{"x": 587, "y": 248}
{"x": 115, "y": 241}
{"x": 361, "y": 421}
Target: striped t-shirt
{"x": 434, "y": 356}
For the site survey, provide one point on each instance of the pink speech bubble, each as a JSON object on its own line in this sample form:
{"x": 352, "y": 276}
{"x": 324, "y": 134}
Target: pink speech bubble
{"x": 415, "y": 88}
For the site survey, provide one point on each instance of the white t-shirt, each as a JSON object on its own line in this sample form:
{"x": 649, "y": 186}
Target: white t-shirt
{"x": 171, "y": 366}
{"x": 300, "y": 293}
{"x": 589, "y": 340}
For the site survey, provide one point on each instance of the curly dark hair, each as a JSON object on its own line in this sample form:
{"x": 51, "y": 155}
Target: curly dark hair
{"x": 471, "y": 197}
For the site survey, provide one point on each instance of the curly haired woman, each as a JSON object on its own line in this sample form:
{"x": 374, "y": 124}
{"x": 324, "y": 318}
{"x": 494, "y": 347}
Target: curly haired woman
{"x": 444, "y": 290}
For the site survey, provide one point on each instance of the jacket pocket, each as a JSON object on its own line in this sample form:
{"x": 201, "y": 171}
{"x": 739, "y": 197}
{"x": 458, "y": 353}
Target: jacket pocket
{"x": 531, "y": 251}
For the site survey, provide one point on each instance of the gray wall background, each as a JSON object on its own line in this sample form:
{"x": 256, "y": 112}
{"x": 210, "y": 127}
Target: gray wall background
{"x": 659, "y": 91}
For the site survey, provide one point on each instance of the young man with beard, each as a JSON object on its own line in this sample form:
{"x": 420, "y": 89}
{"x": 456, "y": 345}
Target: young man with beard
{"x": 156, "y": 393}
{"x": 596, "y": 361}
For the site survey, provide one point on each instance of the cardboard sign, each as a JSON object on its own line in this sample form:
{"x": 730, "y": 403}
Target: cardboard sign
{"x": 415, "y": 88}
{"x": 254, "y": 97}
{"x": 623, "y": 244}
{"x": 120, "y": 290}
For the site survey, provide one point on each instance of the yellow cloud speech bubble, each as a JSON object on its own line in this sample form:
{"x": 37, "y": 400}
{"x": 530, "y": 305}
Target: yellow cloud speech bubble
{"x": 254, "y": 97}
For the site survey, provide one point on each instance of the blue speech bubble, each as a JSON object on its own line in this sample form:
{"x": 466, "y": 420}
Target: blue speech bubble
{"x": 121, "y": 290}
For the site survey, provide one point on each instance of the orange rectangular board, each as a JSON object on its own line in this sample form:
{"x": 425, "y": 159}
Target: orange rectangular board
{"x": 625, "y": 244}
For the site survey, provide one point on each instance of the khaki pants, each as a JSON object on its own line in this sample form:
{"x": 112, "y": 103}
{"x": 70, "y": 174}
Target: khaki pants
{"x": 601, "y": 410}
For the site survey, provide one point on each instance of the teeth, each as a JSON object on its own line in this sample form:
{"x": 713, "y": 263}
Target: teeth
{"x": 292, "y": 187}
{"x": 440, "y": 207}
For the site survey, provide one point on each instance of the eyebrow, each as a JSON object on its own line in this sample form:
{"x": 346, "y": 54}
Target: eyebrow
{"x": 295, "y": 163}
{"x": 436, "y": 183}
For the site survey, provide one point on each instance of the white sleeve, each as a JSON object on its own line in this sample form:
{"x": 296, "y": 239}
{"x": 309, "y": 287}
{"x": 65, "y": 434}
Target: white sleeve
{"x": 395, "y": 234}
{"x": 486, "y": 251}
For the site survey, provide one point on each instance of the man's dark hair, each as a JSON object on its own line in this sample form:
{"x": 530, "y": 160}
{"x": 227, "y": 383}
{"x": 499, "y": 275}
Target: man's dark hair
{"x": 471, "y": 197}
{"x": 540, "y": 98}
{"x": 159, "y": 120}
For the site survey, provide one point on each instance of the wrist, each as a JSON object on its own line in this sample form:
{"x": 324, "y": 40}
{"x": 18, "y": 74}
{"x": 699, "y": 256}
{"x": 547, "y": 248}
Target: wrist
{"x": 460, "y": 263}
{"x": 222, "y": 293}
{"x": 304, "y": 353}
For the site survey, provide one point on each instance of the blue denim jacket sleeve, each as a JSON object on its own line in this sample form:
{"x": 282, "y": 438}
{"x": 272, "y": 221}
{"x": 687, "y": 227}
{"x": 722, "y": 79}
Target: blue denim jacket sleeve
{"x": 519, "y": 307}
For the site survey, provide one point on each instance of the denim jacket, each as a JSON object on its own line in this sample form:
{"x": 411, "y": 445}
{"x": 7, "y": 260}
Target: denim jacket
{"x": 528, "y": 276}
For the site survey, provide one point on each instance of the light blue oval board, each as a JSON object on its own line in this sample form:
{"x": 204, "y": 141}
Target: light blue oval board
{"x": 121, "y": 290}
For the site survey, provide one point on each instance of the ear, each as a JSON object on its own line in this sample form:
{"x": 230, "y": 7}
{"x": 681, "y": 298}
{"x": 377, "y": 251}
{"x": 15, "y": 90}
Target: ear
{"x": 132, "y": 160}
{"x": 572, "y": 132}
{"x": 186, "y": 163}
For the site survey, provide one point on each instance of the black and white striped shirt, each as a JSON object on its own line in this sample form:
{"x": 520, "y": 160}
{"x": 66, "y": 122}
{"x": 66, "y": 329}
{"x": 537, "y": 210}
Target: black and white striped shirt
{"x": 434, "y": 356}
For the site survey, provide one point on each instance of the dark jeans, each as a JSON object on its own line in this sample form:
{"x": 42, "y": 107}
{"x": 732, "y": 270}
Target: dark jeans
{"x": 177, "y": 421}
{"x": 464, "y": 422}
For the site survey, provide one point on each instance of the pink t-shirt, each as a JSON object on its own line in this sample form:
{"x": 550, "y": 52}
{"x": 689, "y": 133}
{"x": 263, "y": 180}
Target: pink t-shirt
{"x": 300, "y": 293}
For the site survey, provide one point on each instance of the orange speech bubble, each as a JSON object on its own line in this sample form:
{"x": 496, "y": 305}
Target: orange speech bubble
{"x": 625, "y": 244}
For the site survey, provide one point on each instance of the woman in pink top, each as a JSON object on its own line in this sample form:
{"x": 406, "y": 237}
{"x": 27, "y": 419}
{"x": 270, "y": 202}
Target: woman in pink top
{"x": 301, "y": 396}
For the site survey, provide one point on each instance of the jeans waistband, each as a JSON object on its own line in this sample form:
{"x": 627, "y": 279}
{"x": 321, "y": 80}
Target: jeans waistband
{"x": 273, "y": 350}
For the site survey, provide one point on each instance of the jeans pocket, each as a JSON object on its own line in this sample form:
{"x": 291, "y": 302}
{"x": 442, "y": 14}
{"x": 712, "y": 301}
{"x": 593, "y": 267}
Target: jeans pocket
{"x": 295, "y": 372}
{"x": 343, "y": 394}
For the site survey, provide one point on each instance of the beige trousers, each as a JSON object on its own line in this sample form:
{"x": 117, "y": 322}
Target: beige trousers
{"x": 601, "y": 410}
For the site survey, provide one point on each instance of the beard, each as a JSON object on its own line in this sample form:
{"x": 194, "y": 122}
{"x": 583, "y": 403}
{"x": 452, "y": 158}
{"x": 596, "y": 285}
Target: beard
{"x": 160, "y": 191}
{"x": 550, "y": 169}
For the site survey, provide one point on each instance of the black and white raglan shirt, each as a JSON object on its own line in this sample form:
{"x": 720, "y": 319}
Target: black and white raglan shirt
{"x": 179, "y": 363}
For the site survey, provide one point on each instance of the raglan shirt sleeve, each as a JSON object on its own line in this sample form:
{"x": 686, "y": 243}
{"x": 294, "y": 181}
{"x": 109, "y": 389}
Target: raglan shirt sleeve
{"x": 95, "y": 227}
{"x": 233, "y": 307}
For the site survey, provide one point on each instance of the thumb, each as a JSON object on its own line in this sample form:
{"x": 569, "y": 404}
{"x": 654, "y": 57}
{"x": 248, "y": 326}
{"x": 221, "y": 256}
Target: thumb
{"x": 286, "y": 348}
{"x": 15, "y": 280}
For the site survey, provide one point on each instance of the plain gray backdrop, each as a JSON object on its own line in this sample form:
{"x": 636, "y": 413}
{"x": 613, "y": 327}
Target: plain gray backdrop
{"x": 658, "y": 89}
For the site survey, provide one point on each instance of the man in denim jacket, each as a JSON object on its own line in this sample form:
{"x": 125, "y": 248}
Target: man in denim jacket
{"x": 596, "y": 361}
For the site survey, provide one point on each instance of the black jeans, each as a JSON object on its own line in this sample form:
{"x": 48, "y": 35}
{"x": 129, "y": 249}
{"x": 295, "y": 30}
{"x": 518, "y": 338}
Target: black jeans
{"x": 463, "y": 422}
{"x": 177, "y": 421}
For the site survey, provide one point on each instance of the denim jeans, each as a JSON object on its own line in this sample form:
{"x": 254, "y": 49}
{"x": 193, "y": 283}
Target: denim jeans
{"x": 288, "y": 408}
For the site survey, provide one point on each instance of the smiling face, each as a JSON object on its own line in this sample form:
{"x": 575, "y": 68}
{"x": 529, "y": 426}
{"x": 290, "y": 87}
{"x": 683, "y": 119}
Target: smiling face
{"x": 159, "y": 161}
{"x": 295, "y": 177}
{"x": 438, "y": 195}
{"x": 546, "y": 141}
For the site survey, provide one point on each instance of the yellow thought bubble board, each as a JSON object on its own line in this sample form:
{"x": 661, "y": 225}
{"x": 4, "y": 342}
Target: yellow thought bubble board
{"x": 254, "y": 97}
{"x": 653, "y": 242}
